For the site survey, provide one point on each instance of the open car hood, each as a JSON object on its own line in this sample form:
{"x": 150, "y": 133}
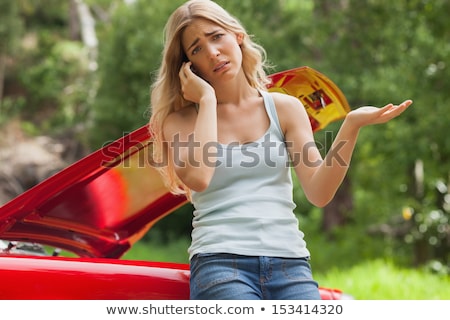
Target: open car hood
{"x": 96, "y": 207}
{"x": 102, "y": 204}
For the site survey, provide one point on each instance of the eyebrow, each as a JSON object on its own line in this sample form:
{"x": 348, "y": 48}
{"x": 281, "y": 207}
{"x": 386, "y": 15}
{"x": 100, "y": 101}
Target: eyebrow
{"x": 207, "y": 34}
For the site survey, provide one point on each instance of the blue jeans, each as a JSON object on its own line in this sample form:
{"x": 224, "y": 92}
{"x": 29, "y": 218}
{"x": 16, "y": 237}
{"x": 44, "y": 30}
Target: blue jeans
{"x": 234, "y": 277}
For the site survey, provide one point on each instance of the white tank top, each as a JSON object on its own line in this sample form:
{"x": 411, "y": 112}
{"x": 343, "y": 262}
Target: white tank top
{"x": 247, "y": 208}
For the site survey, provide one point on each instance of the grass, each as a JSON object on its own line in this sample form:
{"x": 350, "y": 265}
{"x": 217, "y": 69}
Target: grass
{"x": 368, "y": 280}
{"x": 176, "y": 251}
{"x": 382, "y": 280}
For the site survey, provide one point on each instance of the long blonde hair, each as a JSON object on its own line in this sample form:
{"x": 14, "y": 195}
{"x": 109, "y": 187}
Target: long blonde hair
{"x": 166, "y": 95}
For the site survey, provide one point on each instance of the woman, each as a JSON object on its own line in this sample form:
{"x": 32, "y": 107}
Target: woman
{"x": 228, "y": 145}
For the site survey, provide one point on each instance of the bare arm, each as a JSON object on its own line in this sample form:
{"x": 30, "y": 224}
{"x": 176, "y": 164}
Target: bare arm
{"x": 321, "y": 177}
{"x": 191, "y": 135}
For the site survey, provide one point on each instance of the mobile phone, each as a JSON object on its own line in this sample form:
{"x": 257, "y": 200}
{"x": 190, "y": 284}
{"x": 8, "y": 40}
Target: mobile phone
{"x": 185, "y": 59}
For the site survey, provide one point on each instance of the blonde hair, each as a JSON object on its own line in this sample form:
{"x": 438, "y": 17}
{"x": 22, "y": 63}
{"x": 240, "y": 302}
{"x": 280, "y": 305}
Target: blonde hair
{"x": 166, "y": 95}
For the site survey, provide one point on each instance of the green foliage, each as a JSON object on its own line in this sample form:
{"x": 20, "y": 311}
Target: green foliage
{"x": 46, "y": 14}
{"x": 430, "y": 231}
{"x": 10, "y": 27}
{"x": 130, "y": 54}
{"x": 380, "y": 52}
{"x": 63, "y": 77}
{"x": 176, "y": 226}
{"x": 58, "y": 66}
{"x": 173, "y": 251}
{"x": 10, "y": 108}
{"x": 49, "y": 72}
{"x": 10, "y": 34}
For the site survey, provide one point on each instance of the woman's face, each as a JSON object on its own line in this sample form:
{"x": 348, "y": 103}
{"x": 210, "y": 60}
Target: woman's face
{"x": 215, "y": 53}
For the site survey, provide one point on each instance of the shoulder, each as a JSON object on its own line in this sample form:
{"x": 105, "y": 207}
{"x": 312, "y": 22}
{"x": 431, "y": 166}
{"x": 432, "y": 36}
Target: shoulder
{"x": 180, "y": 121}
{"x": 290, "y": 110}
{"x": 285, "y": 102}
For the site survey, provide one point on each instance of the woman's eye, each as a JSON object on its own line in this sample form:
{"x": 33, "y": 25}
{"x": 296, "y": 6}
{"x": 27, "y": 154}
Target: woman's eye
{"x": 217, "y": 36}
{"x": 196, "y": 50}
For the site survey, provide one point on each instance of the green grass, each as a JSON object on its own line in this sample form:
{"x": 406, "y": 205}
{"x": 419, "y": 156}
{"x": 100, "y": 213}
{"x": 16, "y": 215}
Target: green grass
{"x": 176, "y": 251}
{"x": 367, "y": 280}
{"x": 382, "y": 280}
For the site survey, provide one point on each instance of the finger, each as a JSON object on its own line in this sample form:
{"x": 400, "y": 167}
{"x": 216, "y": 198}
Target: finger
{"x": 182, "y": 72}
{"x": 386, "y": 108}
{"x": 399, "y": 109}
{"x": 403, "y": 106}
{"x": 188, "y": 69}
{"x": 407, "y": 103}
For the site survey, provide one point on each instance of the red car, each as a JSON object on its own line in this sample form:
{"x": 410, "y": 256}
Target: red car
{"x": 97, "y": 209}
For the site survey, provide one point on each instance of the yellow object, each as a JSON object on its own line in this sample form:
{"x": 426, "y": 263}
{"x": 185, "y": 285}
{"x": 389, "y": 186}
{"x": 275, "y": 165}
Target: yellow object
{"x": 323, "y": 100}
{"x": 407, "y": 213}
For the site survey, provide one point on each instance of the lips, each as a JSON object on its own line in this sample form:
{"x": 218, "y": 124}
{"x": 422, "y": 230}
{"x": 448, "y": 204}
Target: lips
{"x": 220, "y": 65}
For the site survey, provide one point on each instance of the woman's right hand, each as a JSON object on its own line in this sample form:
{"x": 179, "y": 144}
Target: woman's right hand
{"x": 193, "y": 87}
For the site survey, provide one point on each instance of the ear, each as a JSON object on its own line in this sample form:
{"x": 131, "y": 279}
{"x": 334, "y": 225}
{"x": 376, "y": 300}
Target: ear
{"x": 240, "y": 38}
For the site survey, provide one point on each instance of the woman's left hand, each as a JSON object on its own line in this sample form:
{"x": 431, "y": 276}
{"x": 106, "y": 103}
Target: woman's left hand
{"x": 368, "y": 115}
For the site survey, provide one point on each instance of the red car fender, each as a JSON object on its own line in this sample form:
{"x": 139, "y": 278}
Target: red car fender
{"x": 60, "y": 278}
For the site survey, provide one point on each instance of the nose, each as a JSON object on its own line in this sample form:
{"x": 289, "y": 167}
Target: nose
{"x": 213, "y": 51}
